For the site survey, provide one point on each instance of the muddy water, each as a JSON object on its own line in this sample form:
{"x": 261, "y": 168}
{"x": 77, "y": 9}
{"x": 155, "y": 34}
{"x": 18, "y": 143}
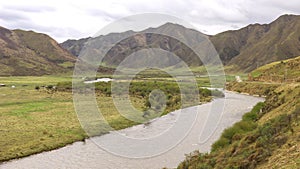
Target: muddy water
{"x": 90, "y": 155}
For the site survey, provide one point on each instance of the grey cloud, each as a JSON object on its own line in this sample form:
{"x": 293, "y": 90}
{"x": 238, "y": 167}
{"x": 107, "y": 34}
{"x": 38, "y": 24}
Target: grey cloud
{"x": 235, "y": 26}
{"x": 108, "y": 15}
{"x": 103, "y": 14}
{"x": 12, "y": 16}
{"x": 59, "y": 33}
{"x": 26, "y": 25}
{"x": 231, "y": 14}
{"x": 291, "y": 5}
{"x": 33, "y": 9}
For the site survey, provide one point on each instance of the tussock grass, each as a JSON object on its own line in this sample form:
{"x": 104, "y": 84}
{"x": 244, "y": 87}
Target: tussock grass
{"x": 32, "y": 121}
{"x": 267, "y": 137}
{"x": 36, "y": 117}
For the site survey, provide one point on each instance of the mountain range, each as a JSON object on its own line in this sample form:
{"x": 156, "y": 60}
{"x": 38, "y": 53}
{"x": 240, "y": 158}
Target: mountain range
{"x": 243, "y": 50}
{"x": 240, "y": 50}
{"x": 256, "y": 45}
{"x": 30, "y": 53}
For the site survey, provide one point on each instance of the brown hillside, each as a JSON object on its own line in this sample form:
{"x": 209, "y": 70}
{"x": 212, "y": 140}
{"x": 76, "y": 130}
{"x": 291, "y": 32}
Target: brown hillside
{"x": 30, "y": 53}
{"x": 256, "y": 45}
{"x": 241, "y": 50}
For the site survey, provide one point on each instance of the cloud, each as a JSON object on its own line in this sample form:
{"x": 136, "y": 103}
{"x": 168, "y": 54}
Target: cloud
{"x": 12, "y": 16}
{"x": 32, "y": 9}
{"x": 108, "y": 15}
{"x": 77, "y": 19}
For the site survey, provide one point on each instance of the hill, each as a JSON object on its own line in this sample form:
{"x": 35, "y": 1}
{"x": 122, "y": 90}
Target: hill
{"x": 256, "y": 45}
{"x": 268, "y": 136}
{"x": 74, "y": 46}
{"x": 149, "y": 38}
{"x": 30, "y": 53}
{"x": 280, "y": 71}
{"x": 241, "y": 50}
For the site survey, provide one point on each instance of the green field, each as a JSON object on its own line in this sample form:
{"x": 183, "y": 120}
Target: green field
{"x": 36, "y": 117}
{"x": 33, "y": 120}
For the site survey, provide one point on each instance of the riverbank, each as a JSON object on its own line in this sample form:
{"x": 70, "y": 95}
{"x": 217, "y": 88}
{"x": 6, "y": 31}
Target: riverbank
{"x": 267, "y": 137}
{"x": 88, "y": 155}
{"x": 37, "y": 115}
{"x": 34, "y": 117}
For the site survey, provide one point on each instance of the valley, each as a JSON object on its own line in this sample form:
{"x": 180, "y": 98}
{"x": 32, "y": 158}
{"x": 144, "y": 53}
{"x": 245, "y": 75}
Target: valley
{"x": 37, "y": 114}
{"x": 39, "y": 119}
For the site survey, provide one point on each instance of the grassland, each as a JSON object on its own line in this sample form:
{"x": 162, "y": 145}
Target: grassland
{"x": 36, "y": 117}
{"x": 281, "y": 71}
{"x": 267, "y": 137}
{"x": 33, "y": 120}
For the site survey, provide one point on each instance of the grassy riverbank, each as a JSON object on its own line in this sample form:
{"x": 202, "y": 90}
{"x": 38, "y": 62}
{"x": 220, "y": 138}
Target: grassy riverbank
{"x": 32, "y": 121}
{"x": 267, "y": 137}
{"x": 36, "y": 117}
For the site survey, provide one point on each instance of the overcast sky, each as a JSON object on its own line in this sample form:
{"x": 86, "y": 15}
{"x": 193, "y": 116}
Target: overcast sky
{"x": 73, "y": 19}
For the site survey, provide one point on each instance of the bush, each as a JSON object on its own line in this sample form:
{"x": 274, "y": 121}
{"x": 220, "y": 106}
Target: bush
{"x": 217, "y": 93}
{"x": 205, "y": 92}
{"x": 49, "y": 87}
{"x": 204, "y": 166}
{"x": 230, "y": 132}
{"x": 222, "y": 142}
{"x": 246, "y": 126}
{"x": 64, "y": 85}
{"x": 251, "y": 116}
{"x": 254, "y": 114}
{"x": 238, "y": 129}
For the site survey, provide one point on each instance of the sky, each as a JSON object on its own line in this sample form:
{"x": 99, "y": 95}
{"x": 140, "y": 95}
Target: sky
{"x": 74, "y": 19}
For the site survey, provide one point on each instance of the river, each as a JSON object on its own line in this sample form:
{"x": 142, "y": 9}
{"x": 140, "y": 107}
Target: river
{"x": 89, "y": 155}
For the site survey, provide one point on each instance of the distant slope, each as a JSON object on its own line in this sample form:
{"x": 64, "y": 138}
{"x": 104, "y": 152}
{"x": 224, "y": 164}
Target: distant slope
{"x": 74, "y": 46}
{"x": 256, "y": 45}
{"x": 281, "y": 71}
{"x": 241, "y": 50}
{"x": 143, "y": 40}
{"x": 30, "y": 53}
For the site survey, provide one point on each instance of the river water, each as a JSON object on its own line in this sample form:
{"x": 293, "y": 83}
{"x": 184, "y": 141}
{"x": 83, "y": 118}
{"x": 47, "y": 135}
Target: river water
{"x": 90, "y": 155}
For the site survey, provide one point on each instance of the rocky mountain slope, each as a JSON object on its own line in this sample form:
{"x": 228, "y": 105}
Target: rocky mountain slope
{"x": 74, "y": 46}
{"x": 256, "y": 45}
{"x": 241, "y": 50}
{"x": 149, "y": 38}
{"x": 30, "y": 53}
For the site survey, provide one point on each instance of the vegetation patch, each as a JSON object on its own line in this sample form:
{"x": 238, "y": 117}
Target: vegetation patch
{"x": 38, "y": 113}
{"x": 261, "y": 134}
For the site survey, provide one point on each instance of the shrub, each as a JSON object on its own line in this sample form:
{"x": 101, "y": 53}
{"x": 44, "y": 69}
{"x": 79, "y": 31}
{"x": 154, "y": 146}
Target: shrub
{"x": 251, "y": 116}
{"x": 230, "y": 132}
{"x": 246, "y": 126}
{"x": 49, "y": 87}
{"x": 64, "y": 85}
{"x": 222, "y": 142}
{"x": 238, "y": 129}
{"x": 254, "y": 114}
{"x": 217, "y": 93}
{"x": 37, "y": 87}
{"x": 204, "y": 166}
